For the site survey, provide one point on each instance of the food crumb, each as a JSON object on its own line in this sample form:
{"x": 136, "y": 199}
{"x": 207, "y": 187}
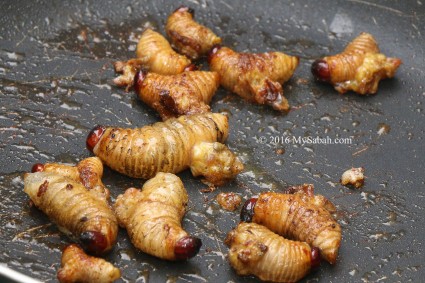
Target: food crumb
{"x": 353, "y": 177}
{"x": 302, "y": 81}
{"x": 229, "y": 201}
{"x": 280, "y": 151}
{"x": 209, "y": 189}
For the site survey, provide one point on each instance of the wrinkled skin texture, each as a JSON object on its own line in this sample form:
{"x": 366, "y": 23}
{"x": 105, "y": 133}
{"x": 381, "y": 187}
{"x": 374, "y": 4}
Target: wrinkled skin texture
{"x": 189, "y": 37}
{"x": 88, "y": 172}
{"x": 154, "y": 54}
{"x": 255, "y": 250}
{"x": 76, "y": 211}
{"x": 153, "y": 217}
{"x": 318, "y": 200}
{"x": 358, "y": 68}
{"x": 175, "y": 95}
{"x": 162, "y": 147}
{"x": 255, "y": 77}
{"x": 215, "y": 162}
{"x": 77, "y": 266}
{"x": 301, "y": 217}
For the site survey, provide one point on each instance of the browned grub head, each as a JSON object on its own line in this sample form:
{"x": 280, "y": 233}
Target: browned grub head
{"x": 94, "y": 136}
{"x": 187, "y": 247}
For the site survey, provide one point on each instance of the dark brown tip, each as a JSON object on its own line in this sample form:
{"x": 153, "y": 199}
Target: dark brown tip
{"x": 315, "y": 258}
{"x": 138, "y": 80}
{"x": 272, "y": 93}
{"x": 187, "y": 247}
{"x": 213, "y": 51}
{"x": 247, "y": 211}
{"x": 93, "y": 242}
{"x": 38, "y": 167}
{"x": 185, "y": 9}
{"x": 94, "y": 137}
{"x": 321, "y": 71}
{"x": 190, "y": 67}
{"x": 167, "y": 101}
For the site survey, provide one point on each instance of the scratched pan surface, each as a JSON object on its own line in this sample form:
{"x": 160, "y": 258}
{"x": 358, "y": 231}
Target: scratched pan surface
{"x": 56, "y": 70}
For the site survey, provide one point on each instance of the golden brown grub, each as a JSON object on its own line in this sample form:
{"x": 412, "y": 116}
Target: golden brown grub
{"x": 154, "y": 54}
{"x": 189, "y": 37}
{"x": 255, "y": 250}
{"x": 162, "y": 147}
{"x": 77, "y": 266}
{"x": 175, "y": 95}
{"x": 297, "y": 216}
{"x": 67, "y": 207}
{"x": 358, "y": 68}
{"x": 255, "y": 77}
{"x": 88, "y": 172}
{"x": 153, "y": 217}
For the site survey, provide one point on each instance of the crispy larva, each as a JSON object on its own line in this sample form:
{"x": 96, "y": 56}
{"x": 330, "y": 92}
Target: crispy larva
{"x": 359, "y": 67}
{"x": 77, "y": 266}
{"x": 153, "y": 217}
{"x": 154, "y": 54}
{"x": 170, "y": 146}
{"x": 298, "y": 216}
{"x": 255, "y": 250}
{"x": 80, "y": 214}
{"x": 175, "y": 95}
{"x": 189, "y": 37}
{"x": 257, "y": 77}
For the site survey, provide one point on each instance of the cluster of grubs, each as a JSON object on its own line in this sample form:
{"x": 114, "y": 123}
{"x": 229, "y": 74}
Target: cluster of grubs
{"x": 281, "y": 237}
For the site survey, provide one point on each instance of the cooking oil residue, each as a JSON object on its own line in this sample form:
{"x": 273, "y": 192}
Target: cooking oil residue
{"x": 189, "y": 277}
{"x": 387, "y": 236}
{"x": 144, "y": 276}
{"x": 126, "y": 254}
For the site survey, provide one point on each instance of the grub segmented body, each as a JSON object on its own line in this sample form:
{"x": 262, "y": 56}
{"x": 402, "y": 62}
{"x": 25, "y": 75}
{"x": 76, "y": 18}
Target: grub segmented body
{"x": 154, "y": 54}
{"x": 161, "y": 147}
{"x": 152, "y": 217}
{"x": 255, "y": 250}
{"x": 188, "y": 36}
{"x": 358, "y": 68}
{"x": 175, "y": 95}
{"x": 256, "y": 77}
{"x": 80, "y": 214}
{"x": 77, "y": 266}
{"x": 297, "y": 216}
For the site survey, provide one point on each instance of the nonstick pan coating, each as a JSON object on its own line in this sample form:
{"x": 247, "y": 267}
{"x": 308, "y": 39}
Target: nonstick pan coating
{"x": 56, "y": 70}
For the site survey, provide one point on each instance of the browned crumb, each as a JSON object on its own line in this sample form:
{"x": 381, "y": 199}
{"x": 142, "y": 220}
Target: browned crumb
{"x": 302, "y": 81}
{"x": 229, "y": 201}
{"x": 353, "y": 177}
{"x": 280, "y": 151}
{"x": 210, "y": 189}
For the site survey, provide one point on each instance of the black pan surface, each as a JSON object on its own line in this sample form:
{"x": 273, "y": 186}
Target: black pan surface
{"x": 56, "y": 71}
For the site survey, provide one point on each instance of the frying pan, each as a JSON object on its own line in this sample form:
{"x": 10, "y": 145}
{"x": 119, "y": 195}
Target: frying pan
{"x": 56, "y": 71}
